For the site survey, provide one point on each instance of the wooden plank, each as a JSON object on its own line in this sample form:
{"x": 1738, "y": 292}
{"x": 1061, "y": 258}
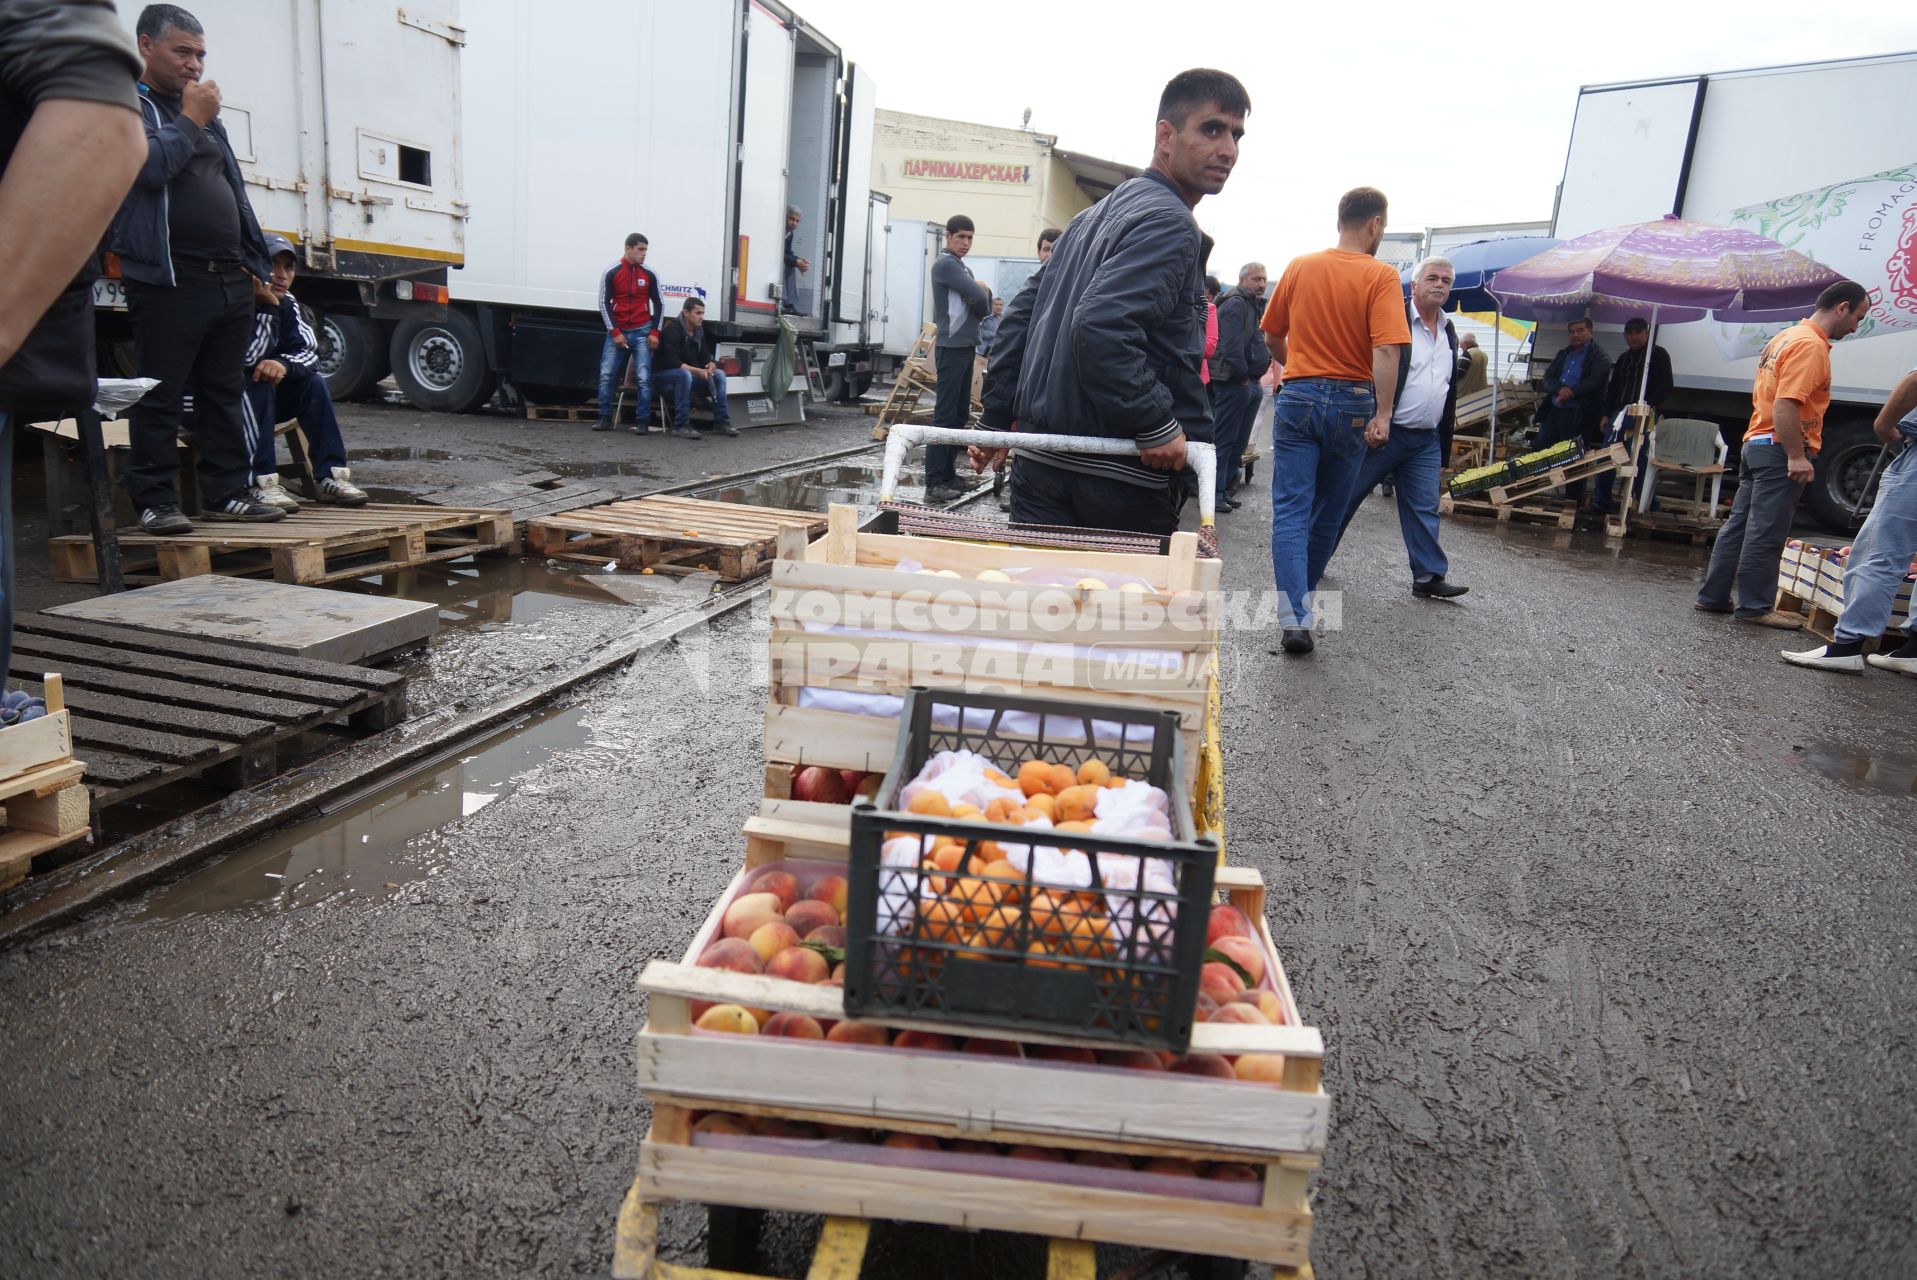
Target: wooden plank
{"x": 35, "y": 743}
{"x": 884, "y": 551}
{"x": 314, "y": 693}
{"x": 108, "y": 771}
{"x": 127, "y": 638}
{"x": 102, "y": 707}
{"x": 1071, "y": 1260}
{"x": 181, "y": 693}
{"x": 797, "y": 1184}
{"x": 168, "y": 748}
{"x": 64, "y": 812}
{"x": 17, "y": 848}
{"x": 42, "y": 781}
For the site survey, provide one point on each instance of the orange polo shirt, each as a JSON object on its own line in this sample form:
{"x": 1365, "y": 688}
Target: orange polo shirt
{"x": 1332, "y": 308}
{"x": 1795, "y": 366}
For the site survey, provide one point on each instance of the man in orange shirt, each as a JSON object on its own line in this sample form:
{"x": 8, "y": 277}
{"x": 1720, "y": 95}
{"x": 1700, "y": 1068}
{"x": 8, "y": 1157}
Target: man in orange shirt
{"x": 1788, "y": 401}
{"x": 1336, "y": 322}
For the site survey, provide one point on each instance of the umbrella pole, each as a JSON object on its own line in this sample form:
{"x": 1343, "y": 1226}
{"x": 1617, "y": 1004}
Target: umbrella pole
{"x": 1497, "y": 375}
{"x": 1645, "y": 493}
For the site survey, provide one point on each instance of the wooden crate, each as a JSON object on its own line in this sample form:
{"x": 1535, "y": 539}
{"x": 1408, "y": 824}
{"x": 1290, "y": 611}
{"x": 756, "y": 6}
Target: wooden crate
{"x": 1088, "y": 641}
{"x": 1614, "y": 457}
{"x": 1280, "y": 1131}
{"x": 46, "y": 805}
{"x": 321, "y": 544}
{"x": 1561, "y": 513}
{"x": 670, "y": 534}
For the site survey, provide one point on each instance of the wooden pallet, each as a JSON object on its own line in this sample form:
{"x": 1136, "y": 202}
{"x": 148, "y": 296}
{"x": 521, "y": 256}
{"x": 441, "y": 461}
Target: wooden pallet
{"x": 562, "y": 413}
{"x": 321, "y": 544}
{"x": 46, "y": 805}
{"x": 1615, "y": 457}
{"x": 1280, "y": 1131}
{"x": 151, "y": 708}
{"x": 1560, "y": 512}
{"x": 526, "y": 497}
{"x": 669, "y": 534}
{"x": 1662, "y": 524}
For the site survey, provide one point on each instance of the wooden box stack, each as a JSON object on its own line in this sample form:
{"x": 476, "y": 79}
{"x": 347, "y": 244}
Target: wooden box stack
{"x": 46, "y": 804}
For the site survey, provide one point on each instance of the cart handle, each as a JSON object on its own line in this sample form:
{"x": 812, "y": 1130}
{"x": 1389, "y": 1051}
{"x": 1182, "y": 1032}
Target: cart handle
{"x": 901, "y": 438}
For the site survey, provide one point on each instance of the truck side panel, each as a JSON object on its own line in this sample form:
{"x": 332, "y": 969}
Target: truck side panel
{"x": 856, "y": 210}
{"x": 763, "y": 147}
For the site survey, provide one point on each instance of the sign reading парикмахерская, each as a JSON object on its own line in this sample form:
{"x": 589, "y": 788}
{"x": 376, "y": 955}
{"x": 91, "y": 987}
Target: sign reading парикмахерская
{"x": 966, "y": 170}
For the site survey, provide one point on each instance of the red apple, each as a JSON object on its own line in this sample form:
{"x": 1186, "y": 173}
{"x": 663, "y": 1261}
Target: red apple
{"x": 852, "y": 780}
{"x": 798, "y": 964}
{"x": 820, "y": 785}
{"x": 830, "y": 935}
{"x": 1220, "y": 981}
{"x": 1227, "y": 921}
{"x": 1244, "y": 953}
{"x": 810, "y": 914}
{"x": 781, "y": 884}
{"x": 831, "y": 891}
{"x": 735, "y": 954}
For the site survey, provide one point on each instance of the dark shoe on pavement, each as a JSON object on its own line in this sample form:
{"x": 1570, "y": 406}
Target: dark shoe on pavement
{"x": 167, "y": 521}
{"x": 685, "y": 433}
{"x": 1776, "y": 620}
{"x": 944, "y": 493}
{"x": 602, "y": 426}
{"x": 725, "y": 429}
{"x": 1297, "y": 640}
{"x": 965, "y": 484}
{"x": 1438, "y": 589}
{"x": 1824, "y": 660}
{"x": 244, "y": 508}
{"x": 1701, "y": 607}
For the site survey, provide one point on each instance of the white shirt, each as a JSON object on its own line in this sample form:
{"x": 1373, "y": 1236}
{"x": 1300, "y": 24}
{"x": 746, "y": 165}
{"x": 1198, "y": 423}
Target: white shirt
{"x": 1422, "y": 403}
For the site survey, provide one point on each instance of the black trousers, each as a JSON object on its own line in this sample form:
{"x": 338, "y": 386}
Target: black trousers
{"x": 952, "y": 408}
{"x": 1049, "y": 495}
{"x": 193, "y": 334}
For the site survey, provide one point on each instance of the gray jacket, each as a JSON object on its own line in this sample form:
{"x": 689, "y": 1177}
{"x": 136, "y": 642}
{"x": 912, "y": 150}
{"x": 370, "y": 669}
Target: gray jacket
{"x": 140, "y": 232}
{"x": 959, "y": 301}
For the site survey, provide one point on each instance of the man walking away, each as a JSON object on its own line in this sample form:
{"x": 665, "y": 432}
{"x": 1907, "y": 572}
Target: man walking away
{"x": 1413, "y": 454}
{"x": 1336, "y": 322}
{"x": 959, "y": 302}
{"x": 688, "y": 365}
{"x": 1788, "y": 401}
{"x": 190, "y": 250}
{"x": 283, "y": 378}
{"x": 1574, "y": 385}
{"x": 1476, "y": 375}
{"x": 70, "y": 145}
{"x": 631, "y": 307}
{"x": 1627, "y": 376}
{"x": 1241, "y": 361}
{"x": 1106, "y": 339}
{"x": 1880, "y": 559}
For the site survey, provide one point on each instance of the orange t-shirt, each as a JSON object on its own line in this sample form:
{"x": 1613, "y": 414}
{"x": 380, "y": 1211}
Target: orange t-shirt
{"x": 1795, "y": 366}
{"x": 1333, "y": 307}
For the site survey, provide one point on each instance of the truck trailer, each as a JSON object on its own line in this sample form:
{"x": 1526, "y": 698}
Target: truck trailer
{"x": 696, "y": 125}
{"x": 1819, "y": 156}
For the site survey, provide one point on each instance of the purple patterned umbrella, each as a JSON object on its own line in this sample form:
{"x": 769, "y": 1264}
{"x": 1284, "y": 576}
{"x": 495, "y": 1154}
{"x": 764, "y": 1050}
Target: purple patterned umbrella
{"x": 1678, "y": 269}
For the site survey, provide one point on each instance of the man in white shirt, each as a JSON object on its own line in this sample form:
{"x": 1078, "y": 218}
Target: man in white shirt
{"x": 1409, "y": 456}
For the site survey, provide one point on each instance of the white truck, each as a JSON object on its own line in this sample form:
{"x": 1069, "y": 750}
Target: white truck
{"x": 695, "y": 124}
{"x": 1820, "y": 156}
{"x": 344, "y": 116}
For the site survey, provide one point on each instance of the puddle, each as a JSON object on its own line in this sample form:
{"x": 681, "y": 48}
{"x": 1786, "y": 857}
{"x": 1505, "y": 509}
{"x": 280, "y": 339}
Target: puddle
{"x": 855, "y": 482}
{"x": 592, "y": 470}
{"x": 373, "y": 844}
{"x": 1890, "y": 775}
{"x": 486, "y": 594}
{"x": 398, "y": 454}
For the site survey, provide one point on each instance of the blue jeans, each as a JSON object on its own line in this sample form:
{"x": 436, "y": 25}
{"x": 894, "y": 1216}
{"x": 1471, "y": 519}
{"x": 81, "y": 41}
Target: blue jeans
{"x": 1410, "y": 459}
{"x": 678, "y": 387}
{"x": 300, "y": 395}
{"x": 1744, "y": 557}
{"x": 1317, "y": 446}
{"x": 612, "y": 367}
{"x": 1880, "y": 557}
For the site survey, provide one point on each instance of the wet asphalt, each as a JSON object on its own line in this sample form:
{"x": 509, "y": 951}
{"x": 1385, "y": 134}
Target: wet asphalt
{"x": 1607, "y": 916}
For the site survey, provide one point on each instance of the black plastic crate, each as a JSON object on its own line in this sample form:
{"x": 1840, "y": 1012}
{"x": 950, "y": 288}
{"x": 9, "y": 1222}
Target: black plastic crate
{"x": 1107, "y": 962}
{"x": 1478, "y": 480}
{"x": 1539, "y": 461}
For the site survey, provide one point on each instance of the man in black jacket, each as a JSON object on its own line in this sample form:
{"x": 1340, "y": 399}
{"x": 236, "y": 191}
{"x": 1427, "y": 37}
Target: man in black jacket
{"x": 1574, "y": 386}
{"x": 1106, "y": 340}
{"x": 1240, "y": 361}
{"x": 687, "y": 363}
{"x": 1627, "y": 377}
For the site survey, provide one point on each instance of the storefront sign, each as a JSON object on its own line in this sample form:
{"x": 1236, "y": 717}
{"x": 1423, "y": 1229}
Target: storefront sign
{"x": 967, "y": 170}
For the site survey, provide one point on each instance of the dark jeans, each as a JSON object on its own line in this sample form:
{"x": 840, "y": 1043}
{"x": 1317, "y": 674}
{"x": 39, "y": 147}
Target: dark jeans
{"x": 612, "y": 367}
{"x": 1560, "y": 422}
{"x": 6, "y": 545}
{"x": 1748, "y": 547}
{"x": 953, "y": 408}
{"x": 1317, "y": 447}
{"x": 1234, "y": 406}
{"x": 680, "y": 389}
{"x": 1044, "y": 494}
{"x": 300, "y": 395}
{"x": 1410, "y": 459}
{"x": 193, "y": 333}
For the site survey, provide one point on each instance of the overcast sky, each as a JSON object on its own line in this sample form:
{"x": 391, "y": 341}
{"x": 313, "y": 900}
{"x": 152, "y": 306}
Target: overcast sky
{"x": 1460, "y": 112}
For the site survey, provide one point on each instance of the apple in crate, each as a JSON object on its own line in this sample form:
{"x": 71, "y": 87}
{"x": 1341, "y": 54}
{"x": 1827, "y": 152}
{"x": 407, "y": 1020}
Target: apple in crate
{"x": 852, "y": 1031}
{"x": 729, "y": 1018}
{"x": 796, "y": 1026}
{"x": 831, "y": 891}
{"x": 782, "y": 885}
{"x": 769, "y": 940}
{"x": 1220, "y": 981}
{"x": 1227, "y": 921}
{"x": 1260, "y": 1068}
{"x": 799, "y": 964}
{"x": 1266, "y": 1002}
{"x": 810, "y": 914}
{"x": 750, "y": 910}
{"x": 820, "y": 785}
{"x": 1244, "y": 953}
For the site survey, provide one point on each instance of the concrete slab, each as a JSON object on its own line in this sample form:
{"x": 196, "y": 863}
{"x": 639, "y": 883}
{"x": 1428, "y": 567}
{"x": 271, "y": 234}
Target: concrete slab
{"x": 308, "y": 622}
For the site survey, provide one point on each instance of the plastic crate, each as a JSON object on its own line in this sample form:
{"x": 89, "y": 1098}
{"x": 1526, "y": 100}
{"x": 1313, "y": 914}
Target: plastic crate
{"x": 1027, "y": 964}
{"x": 1466, "y": 484}
{"x": 1538, "y": 461}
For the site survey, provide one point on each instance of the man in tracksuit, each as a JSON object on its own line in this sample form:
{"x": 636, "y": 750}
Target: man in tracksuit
{"x": 283, "y": 380}
{"x": 190, "y": 251}
{"x": 631, "y": 307}
{"x": 959, "y": 302}
{"x": 1107, "y": 339}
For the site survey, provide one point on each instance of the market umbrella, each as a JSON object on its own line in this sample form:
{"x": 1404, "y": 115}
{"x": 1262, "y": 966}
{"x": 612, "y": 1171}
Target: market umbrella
{"x": 1473, "y": 265}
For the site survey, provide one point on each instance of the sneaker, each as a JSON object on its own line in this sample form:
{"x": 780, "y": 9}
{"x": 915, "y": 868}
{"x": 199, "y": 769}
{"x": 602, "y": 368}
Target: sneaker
{"x": 1437, "y": 589}
{"x": 1894, "y": 662}
{"x": 944, "y": 493}
{"x": 167, "y": 521}
{"x": 338, "y": 488}
{"x": 1298, "y": 641}
{"x": 244, "y": 508}
{"x": 725, "y": 429}
{"x": 602, "y": 426}
{"x": 1777, "y": 621}
{"x": 1824, "y": 660}
{"x": 685, "y": 433}
{"x": 268, "y": 489}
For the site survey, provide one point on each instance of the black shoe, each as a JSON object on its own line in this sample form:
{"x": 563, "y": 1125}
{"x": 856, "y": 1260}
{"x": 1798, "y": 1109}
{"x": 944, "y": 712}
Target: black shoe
{"x": 965, "y": 484}
{"x": 1298, "y": 641}
{"x": 245, "y": 509}
{"x": 1231, "y": 504}
{"x": 1701, "y": 607}
{"x": 944, "y": 493}
{"x": 725, "y": 429}
{"x": 602, "y": 426}
{"x": 685, "y": 433}
{"x": 1438, "y": 589}
{"x": 167, "y": 521}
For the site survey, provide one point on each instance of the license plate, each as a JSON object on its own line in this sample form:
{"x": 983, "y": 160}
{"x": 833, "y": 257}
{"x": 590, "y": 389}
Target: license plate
{"x": 109, "y": 293}
{"x": 759, "y": 408}
{"x": 835, "y": 360}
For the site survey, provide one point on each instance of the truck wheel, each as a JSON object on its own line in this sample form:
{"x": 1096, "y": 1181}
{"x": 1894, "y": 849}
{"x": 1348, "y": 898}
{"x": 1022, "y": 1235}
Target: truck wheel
{"x": 352, "y": 356}
{"x": 1848, "y": 466}
{"x": 440, "y": 365}
{"x": 834, "y": 383}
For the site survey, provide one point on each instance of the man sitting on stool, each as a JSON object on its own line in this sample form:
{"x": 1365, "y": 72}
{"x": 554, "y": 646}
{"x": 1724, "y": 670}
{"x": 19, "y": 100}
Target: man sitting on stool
{"x": 282, "y": 369}
{"x": 687, "y": 363}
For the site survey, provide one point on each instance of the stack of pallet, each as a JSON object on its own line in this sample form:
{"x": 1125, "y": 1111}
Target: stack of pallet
{"x": 46, "y": 804}
{"x": 1810, "y": 583}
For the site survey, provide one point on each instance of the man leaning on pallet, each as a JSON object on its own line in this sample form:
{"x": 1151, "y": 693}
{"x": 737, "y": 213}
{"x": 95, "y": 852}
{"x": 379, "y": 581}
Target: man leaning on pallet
{"x": 1106, "y": 340}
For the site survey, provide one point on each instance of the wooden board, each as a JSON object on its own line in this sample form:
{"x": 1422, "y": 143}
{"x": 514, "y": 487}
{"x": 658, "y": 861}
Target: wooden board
{"x": 533, "y": 494}
{"x": 319, "y": 545}
{"x": 671, "y": 534}
{"x": 1561, "y": 513}
{"x": 1615, "y": 457}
